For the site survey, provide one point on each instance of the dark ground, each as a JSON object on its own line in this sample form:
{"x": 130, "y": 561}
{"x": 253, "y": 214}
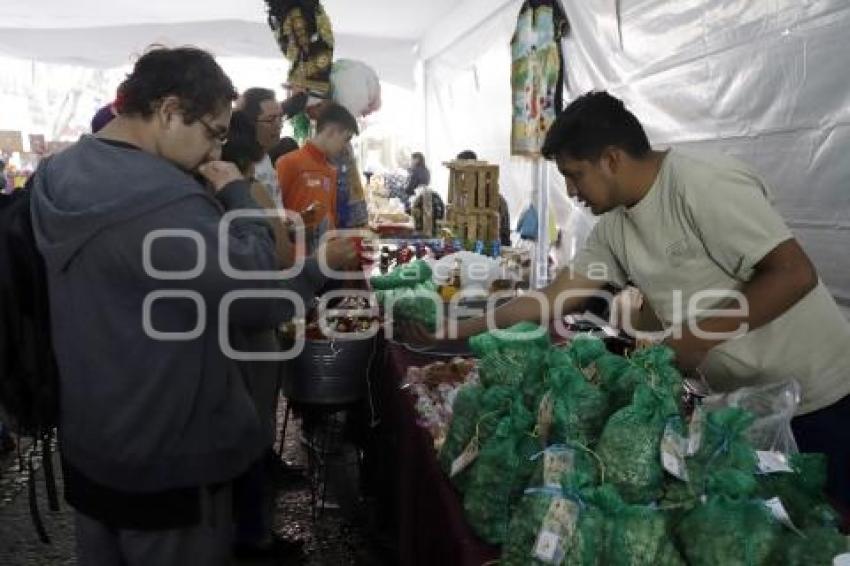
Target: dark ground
{"x": 341, "y": 536}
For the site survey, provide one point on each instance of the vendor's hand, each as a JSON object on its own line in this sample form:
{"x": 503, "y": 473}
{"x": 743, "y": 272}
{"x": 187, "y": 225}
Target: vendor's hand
{"x": 690, "y": 352}
{"x": 414, "y": 334}
{"x": 220, "y": 173}
{"x": 341, "y": 254}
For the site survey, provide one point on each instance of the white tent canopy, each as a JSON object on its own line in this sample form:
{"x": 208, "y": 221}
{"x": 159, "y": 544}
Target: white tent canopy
{"x": 764, "y": 81}
{"x": 93, "y": 33}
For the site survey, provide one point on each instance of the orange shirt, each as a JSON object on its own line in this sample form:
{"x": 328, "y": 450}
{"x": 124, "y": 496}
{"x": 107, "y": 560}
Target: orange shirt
{"x": 306, "y": 176}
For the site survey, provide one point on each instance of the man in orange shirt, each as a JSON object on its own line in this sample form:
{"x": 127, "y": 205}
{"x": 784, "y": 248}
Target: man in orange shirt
{"x": 308, "y": 180}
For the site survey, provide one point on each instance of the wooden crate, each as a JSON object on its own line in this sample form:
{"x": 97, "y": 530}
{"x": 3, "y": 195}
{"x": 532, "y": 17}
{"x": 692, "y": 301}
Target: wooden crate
{"x": 472, "y": 211}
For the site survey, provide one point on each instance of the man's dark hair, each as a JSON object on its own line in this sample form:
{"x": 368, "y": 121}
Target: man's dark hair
{"x": 467, "y": 154}
{"x": 251, "y": 99}
{"x": 281, "y": 148}
{"x": 591, "y": 123}
{"x": 190, "y": 74}
{"x": 337, "y": 114}
{"x": 242, "y": 148}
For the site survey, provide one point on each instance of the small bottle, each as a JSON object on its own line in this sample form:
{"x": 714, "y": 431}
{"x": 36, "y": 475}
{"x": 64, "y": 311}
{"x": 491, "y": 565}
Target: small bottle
{"x": 479, "y": 247}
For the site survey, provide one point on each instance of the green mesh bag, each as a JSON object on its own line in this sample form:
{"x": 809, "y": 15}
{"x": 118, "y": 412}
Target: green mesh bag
{"x": 619, "y": 378}
{"x": 465, "y": 411}
{"x": 731, "y": 528}
{"x": 422, "y": 308}
{"x": 637, "y": 535}
{"x": 562, "y": 463}
{"x": 724, "y": 446}
{"x": 518, "y": 549}
{"x": 802, "y": 492}
{"x": 652, "y": 366}
{"x": 630, "y": 443}
{"x": 501, "y": 474}
{"x": 407, "y": 275}
{"x": 579, "y": 408}
{"x": 519, "y": 336}
{"x": 476, "y": 411}
{"x": 814, "y": 546}
{"x": 585, "y": 349}
{"x": 588, "y": 535}
{"x": 513, "y": 367}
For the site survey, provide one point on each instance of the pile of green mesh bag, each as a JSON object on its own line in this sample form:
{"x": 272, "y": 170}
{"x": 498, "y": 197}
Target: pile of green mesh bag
{"x": 573, "y": 455}
{"x": 409, "y": 293}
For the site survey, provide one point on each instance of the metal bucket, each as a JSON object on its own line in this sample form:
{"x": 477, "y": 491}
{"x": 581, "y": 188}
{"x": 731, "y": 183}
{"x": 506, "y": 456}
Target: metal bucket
{"x": 329, "y": 372}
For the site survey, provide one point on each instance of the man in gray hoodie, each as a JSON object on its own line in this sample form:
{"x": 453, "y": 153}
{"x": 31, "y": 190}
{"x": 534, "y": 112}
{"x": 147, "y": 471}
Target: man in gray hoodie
{"x": 154, "y": 426}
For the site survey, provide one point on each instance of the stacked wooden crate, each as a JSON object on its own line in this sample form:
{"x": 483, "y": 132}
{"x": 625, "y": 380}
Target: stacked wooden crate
{"x": 472, "y": 212}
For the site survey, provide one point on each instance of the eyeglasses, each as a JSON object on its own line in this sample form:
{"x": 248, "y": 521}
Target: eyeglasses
{"x": 271, "y": 119}
{"x": 215, "y": 134}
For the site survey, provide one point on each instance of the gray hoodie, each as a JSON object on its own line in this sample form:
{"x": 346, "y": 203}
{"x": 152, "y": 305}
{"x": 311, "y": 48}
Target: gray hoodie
{"x": 140, "y": 414}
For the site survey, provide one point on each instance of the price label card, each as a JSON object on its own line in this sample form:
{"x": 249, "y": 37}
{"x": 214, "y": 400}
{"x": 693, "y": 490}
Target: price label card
{"x": 772, "y": 462}
{"x": 466, "y": 457}
{"x": 545, "y": 414}
{"x": 695, "y": 431}
{"x": 556, "y": 462}
{"x": 673, "y": 449}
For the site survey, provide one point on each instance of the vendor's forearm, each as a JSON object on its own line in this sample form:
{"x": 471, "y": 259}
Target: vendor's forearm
{"x": 782, "y": 279}
{"x": 517, "y": 310}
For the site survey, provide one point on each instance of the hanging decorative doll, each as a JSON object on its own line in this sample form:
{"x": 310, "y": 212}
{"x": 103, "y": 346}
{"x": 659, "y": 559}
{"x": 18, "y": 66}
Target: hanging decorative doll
{"x": 304, "y": 34}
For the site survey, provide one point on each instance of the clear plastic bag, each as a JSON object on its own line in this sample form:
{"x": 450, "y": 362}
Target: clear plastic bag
{"x": 773, "y": 406}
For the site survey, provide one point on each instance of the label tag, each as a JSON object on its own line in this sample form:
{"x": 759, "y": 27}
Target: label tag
{"x": 545, "y": 414}
{"x": 772, "y": 462}
{"x": 591, "y": 373}
{"x": 777, "y": 509}
{"x": 695, "y": 431}
{"x": 557, "y": 531}
{"x": 673, "y": 449}
{"x": 469, "y": 454}
{"x": 547, "y": 546}
{"x": 556, "y": 462}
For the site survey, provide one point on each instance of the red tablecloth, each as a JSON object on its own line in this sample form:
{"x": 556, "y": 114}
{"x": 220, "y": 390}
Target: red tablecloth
{"x": 430, "y": 524}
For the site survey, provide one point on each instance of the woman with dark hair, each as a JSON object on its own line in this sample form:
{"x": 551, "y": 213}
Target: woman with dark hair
{"x": 253, "y": 493}
{"x": 418, "y": 176}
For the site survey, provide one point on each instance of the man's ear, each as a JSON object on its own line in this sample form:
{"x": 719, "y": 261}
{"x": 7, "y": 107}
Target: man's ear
{"x": 611, "y": 160}
{"x": 167, "y": 109}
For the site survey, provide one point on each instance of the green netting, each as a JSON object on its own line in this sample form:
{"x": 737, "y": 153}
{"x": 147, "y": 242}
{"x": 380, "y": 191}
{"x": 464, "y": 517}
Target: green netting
{"x": 407, "y": 275}
{"x": 579, "y": 408}
{"x": 501, "y": 474}
{"x": 637, "y": 535}
{"x": 585, "y": 349}
{"x": 730, "y": 528}
{"x": 462, "y": 427}
{"x": 476, "y": 411}
{"x": 653, "y": 366}
{"x": 619, "y": 378}
{"x": 724, "y": 446}
{"x": 583, "y": 464}
{"x": 524, "y": 528}
{"x": 801, "y": 492}
{"x": 814, "y": 546}
{"x": 522, "y": 335}
{"x": 630, "y": 443}
{"x": 422, "y": 307}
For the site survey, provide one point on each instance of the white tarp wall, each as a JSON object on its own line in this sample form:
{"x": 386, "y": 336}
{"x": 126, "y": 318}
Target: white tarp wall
{"x": 763, "y": 80}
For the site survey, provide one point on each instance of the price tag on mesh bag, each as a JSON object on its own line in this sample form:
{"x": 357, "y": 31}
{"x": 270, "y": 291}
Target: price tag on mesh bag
{"x": 695, "y": 431}
{"x": 777, "y": 509}
{"x": 466, "y": 457}
{"x": 673, "y": 449}
{"x": 545, "y": 414}
{"x": 557, "y": 531}
{"x": 772, "y": 462}
{"x": 556, "y": 462}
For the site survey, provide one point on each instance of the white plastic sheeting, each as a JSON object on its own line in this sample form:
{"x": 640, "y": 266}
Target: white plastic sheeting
{"x": 765, "y": 81}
